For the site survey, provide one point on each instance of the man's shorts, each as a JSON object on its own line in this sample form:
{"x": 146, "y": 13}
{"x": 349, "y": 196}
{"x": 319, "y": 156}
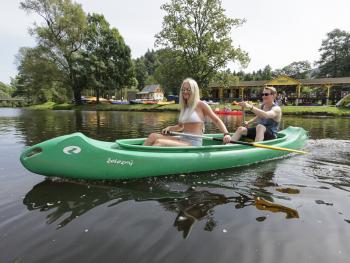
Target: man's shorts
{"x": 268, "y": 135}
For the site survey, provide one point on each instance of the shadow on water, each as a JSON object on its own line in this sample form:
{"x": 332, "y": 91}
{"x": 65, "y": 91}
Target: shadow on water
{"x": 191, "y": 197}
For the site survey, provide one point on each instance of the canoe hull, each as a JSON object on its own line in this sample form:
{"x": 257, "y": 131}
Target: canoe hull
{"x": 80, "y": 157}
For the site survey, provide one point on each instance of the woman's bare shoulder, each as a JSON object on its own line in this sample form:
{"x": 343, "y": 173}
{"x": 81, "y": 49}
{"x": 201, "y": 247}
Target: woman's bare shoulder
{"x": 203, "y": 104}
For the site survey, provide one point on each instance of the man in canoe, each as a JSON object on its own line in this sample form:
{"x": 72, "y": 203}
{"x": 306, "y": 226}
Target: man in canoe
{"x": 268, "y": 118}
{"x": 191, "y": 120}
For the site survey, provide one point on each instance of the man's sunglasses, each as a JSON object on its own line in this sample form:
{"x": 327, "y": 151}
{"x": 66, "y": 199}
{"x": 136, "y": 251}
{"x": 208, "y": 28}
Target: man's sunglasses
{"x": 265, "y": 94}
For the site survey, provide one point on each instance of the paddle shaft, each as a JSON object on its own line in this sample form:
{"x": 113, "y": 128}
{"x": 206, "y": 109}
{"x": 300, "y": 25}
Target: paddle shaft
{"x": 243, "y": 114}
{"x": 243, "y": 117}
{"x": 239, "y": 142}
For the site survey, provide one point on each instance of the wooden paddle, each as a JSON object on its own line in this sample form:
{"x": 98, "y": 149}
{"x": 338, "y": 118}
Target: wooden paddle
{"x": 254, "y": 144}
{"x": 243, "y": 117}
{"x": 243, "y": 113}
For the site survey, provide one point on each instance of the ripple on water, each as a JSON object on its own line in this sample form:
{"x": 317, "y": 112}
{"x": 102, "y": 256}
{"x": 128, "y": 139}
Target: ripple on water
{"x": 329, "y": 162}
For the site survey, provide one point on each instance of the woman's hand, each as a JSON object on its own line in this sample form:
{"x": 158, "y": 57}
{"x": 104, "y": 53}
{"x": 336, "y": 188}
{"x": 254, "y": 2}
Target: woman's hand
{"x": 227, "y": 138}
{"x": 244, "y": 104}
{"x": 166, "y": 130}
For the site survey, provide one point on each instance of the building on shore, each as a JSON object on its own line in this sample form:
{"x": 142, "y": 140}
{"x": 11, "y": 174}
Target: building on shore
{"x": 151, "y": 92}
{"x": 322, "y": 91}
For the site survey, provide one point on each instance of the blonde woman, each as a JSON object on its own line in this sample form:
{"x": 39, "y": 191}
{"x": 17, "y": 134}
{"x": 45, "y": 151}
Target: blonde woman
{"x": 191, "y": 120}
{"x": 268, "y": 118}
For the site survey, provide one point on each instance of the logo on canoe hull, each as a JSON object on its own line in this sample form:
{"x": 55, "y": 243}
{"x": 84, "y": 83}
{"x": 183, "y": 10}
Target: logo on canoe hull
{"x": 72, "y": 149}
{"x": 120, "y": 162}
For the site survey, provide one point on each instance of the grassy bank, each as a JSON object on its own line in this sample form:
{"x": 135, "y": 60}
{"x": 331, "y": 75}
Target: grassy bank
{"x": 287, "y": 110}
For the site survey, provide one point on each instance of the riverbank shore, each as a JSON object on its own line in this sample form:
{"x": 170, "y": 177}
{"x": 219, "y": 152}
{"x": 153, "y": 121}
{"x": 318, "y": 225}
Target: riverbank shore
{"x": 287, "y": 110}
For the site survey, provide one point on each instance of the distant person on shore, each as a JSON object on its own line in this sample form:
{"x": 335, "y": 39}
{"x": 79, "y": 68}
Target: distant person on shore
{"x": 279, "y": 100}
{"x": 268, "y": 118}
{"x": 227, "y": 108}
{"x": 191, "y": 120}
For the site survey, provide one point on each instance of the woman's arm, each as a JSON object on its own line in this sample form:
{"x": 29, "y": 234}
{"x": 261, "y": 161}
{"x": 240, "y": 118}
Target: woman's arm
{"x": 176, "y": 128}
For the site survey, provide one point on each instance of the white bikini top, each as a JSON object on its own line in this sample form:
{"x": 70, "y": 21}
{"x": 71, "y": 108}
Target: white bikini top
{"x": 193, "y": 118}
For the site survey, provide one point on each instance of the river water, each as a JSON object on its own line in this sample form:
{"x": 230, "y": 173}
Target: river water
{"x": 294, "y": 209}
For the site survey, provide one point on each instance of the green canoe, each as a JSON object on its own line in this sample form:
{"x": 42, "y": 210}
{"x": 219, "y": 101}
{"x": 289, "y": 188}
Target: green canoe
{"x": 77, "y": 156}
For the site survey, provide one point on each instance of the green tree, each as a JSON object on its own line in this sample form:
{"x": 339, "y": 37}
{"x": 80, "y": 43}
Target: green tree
{"x": 151, "y": 61}
{"x": 240, "y": 74}
{"x": 145, "y": 68}
{"x": 277, "y": 72}
{"x": 225, "y": 79}
{"x": 266, "y": 73}
{"x": 39, "y": 79}
{"x": 140, "y": 72}
{"x": 200, "y": 33}
{"x": 61, "y": 36}
{"x": 172, "y": 70}
{"x": 106, "y": 59}
{"x": 298, "y": 69}
{"x": 5, "y": 90}
{"x": 335, "y": 55}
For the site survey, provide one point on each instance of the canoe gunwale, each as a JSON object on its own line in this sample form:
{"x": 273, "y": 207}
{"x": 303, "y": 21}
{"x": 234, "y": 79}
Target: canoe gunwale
{"x": 134, "y": 145}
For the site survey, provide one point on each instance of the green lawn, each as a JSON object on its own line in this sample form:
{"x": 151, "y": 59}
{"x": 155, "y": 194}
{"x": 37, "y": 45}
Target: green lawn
{"x": 315, "y": 110}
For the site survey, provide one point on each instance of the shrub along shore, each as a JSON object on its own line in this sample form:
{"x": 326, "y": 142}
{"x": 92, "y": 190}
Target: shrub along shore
{"x": 287, "y": 110}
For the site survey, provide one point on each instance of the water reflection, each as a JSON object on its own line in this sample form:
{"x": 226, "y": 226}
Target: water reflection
{"x": 66, "y": 201}
{"x": 262, "y": 204}
{"x": 192, "y": 198}
{"x": 37, "y": 126}
{"x": 197, "y": 205}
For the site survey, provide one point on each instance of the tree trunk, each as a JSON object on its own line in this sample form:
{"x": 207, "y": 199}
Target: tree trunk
{"x": 77, "y": 97}
{"x": 97, "y": 96}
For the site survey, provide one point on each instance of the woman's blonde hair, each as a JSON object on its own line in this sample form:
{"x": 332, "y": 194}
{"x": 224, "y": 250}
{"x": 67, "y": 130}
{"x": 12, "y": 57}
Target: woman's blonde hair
{"x": 188, "y": 108}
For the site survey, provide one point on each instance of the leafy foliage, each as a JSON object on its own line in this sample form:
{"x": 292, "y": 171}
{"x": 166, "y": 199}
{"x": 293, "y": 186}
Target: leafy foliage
{"x": 74, "y": 52}
{"x": 106, "y": 59}
{"x": 61, "y": 36}
{"x": 141, "y": 73}
{"x": 39, "y": 79}
{"x": 172, "y": 70}
{"x": 225, "y": 79}
{"x": 199, "y": 32}
{"x": 298, "y": 70}
{"x": 335, "y": 55}
{"x": 145, "y": 67}
{"x": 5, "y": 90}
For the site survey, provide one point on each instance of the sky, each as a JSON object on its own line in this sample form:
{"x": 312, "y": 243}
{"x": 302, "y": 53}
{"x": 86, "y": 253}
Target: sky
{"x": 276, "y": 33}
